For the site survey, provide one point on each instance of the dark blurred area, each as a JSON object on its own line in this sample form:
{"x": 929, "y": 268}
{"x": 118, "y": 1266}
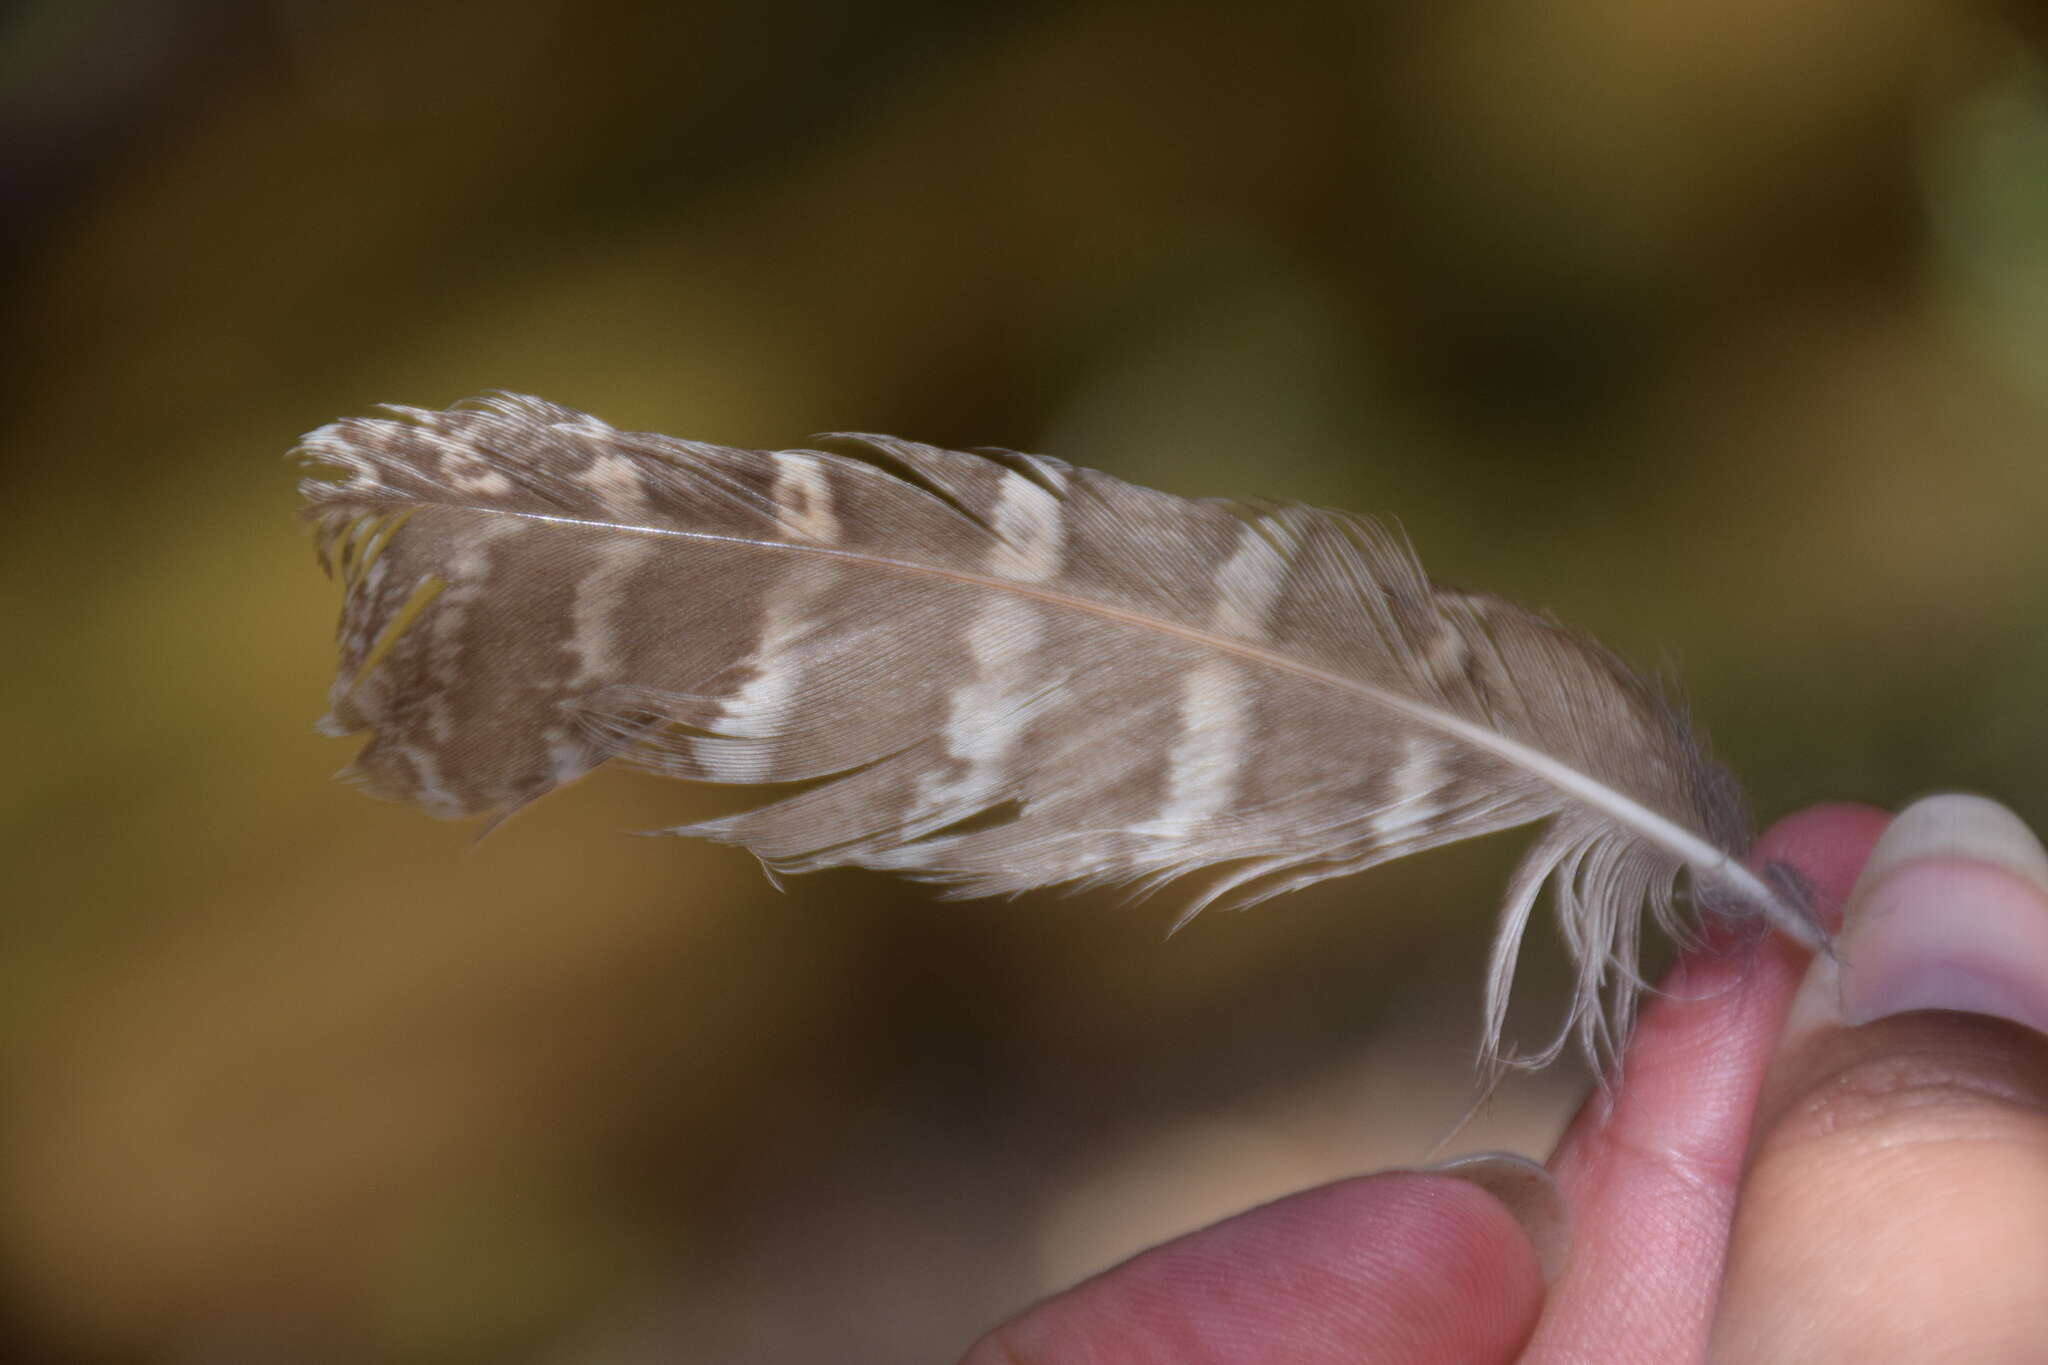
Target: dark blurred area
{"x": 1720, "y": 329}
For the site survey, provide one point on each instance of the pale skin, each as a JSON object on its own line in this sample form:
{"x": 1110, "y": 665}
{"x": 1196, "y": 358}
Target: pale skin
{"x": 1757, "y": 1193}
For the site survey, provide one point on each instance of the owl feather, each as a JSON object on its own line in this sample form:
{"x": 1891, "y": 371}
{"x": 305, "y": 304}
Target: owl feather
{"x": 996, "y": 672}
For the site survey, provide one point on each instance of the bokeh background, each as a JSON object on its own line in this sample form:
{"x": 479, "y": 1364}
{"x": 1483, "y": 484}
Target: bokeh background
{"x": 1720, "y": 328}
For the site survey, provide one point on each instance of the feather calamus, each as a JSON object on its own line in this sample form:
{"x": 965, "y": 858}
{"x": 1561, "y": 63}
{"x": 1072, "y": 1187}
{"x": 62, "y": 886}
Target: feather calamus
{"x": 998, "y": 672}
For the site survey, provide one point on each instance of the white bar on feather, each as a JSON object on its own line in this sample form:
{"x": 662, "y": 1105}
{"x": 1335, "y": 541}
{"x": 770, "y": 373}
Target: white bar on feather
{"x": 1203, "y": 768}
{"x": 1410, "y": 787}
{"x": 1030, "y": 526}
{"x": 617, "y": 481}
{"x": 803, "y": 498}
{"x": 1247, "y": 585}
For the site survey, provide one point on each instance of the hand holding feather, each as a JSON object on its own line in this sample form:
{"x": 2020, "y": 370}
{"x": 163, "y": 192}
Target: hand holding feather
{"x": 998, "y": 672}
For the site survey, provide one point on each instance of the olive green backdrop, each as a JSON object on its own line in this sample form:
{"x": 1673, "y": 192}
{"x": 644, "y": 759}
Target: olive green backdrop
{"x": 1718, "y": 329}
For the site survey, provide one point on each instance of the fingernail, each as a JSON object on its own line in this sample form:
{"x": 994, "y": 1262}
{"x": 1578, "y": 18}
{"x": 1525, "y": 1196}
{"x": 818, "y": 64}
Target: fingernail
{"x": 1530, "y": 1194}
{"x": 1950, "y": 913}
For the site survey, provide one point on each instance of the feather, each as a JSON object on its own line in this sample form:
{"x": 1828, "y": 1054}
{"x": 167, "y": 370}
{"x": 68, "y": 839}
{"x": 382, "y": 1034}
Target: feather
{"x": 996, "y": 672}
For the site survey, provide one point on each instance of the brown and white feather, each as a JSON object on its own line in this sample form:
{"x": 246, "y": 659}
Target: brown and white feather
{"x": 996, "y": 672}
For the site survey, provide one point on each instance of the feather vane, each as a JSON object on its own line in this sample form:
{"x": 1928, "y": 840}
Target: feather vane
{"x": 998, "y": 672}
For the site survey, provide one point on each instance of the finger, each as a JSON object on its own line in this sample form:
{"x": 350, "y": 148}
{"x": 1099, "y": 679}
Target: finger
{"x": 1400, "y": 1267}
{"x": 1651, "y": 1179}
{"x": 1897, "y": 1189}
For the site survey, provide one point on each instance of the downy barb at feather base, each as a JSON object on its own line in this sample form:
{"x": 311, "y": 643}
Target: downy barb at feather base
{"x": 999, "y": 672}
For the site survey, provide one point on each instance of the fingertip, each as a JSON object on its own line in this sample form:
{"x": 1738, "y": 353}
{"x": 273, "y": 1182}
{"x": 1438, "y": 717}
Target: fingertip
{"x": 1652, "y": 1177}
{"x": 1949, "y": 912}
{"x": 1527, "y": 1190}
{"x": 1901, "y": 1148}
{"x": 1828, "y": 845}
{"x": 1398, "y": 1267}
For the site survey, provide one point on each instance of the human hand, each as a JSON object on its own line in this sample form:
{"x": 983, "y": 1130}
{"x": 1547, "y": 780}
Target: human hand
{"x": 1803, "y": 1164}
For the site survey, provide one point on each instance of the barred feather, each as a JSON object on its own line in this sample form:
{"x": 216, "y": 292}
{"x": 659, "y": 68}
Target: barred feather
{"x": 998, "y": 672}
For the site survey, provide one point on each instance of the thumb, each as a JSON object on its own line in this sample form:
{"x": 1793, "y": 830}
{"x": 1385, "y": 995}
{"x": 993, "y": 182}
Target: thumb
{"x": 1895, "y": 1205}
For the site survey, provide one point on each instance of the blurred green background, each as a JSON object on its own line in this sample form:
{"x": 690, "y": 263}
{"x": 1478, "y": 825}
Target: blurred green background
{"x": 1721, "y": 329}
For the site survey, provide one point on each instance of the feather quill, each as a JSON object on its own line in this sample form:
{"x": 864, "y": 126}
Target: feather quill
{"x": 996, "y": 672}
